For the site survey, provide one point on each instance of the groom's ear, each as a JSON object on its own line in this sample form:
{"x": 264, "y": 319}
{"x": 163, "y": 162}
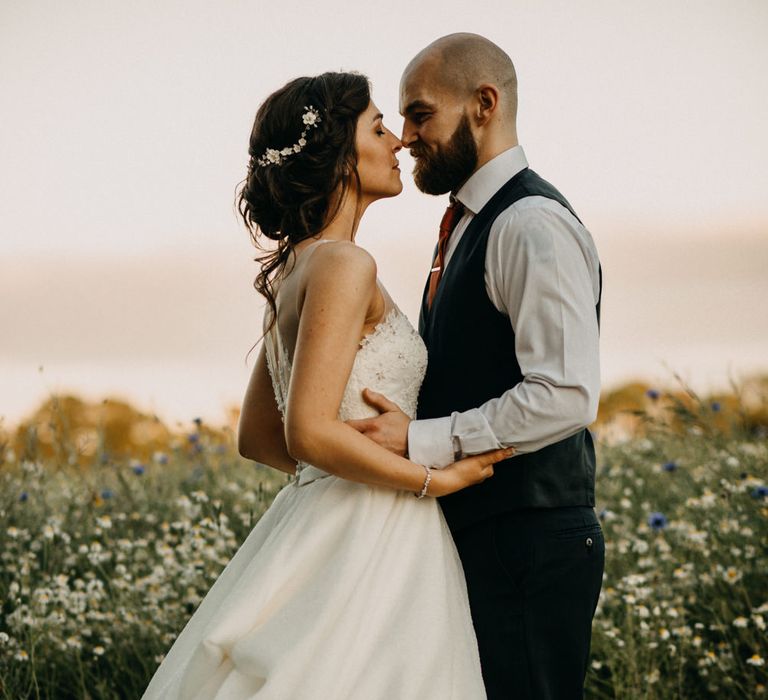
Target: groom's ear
{"x": 486, "y": 103}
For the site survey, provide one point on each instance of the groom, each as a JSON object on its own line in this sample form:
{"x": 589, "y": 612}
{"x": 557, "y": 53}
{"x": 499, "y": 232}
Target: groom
{"x": 510, "y": 317}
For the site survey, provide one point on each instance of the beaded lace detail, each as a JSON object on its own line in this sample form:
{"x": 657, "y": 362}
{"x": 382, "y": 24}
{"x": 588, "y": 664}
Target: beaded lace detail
{"x": 392, "y": 360}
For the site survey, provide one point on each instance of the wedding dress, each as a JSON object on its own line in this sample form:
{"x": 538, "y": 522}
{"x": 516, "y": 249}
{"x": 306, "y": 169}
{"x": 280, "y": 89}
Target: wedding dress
{"x": 342, "y": 591}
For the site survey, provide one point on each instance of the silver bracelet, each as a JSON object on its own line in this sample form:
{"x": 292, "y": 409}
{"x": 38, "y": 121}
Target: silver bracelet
{"x": 427, "y": 479}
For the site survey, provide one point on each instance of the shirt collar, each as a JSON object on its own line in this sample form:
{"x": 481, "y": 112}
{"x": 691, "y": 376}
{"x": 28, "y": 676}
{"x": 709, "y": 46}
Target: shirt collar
{"x": 487, "y": 180}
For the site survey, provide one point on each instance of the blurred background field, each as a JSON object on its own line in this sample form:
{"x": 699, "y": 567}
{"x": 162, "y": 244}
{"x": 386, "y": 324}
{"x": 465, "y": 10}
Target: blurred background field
{"x": 113, "y": 526}
{"x": 70, "y": 430}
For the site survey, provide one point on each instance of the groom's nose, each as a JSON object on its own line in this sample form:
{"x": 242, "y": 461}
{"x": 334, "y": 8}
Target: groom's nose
{"x": 409, "y": 136}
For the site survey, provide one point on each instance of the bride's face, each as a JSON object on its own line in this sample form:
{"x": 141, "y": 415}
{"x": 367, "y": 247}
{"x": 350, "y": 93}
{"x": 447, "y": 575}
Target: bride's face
{"x": 377, "y": 161}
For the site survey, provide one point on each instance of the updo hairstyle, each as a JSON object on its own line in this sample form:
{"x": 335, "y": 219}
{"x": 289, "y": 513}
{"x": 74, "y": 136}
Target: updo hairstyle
{"x": 295, "y": 199}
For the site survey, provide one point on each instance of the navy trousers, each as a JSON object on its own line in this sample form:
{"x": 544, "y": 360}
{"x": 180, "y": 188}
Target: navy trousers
{"x": 534, "y": 578}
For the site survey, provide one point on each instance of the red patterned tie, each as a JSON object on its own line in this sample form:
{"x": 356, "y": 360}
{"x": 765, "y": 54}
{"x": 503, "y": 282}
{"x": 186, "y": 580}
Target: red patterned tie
{"x": 451, "y": 217}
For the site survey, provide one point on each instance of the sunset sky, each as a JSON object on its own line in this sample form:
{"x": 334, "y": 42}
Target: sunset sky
{"x": 124, "y": 270}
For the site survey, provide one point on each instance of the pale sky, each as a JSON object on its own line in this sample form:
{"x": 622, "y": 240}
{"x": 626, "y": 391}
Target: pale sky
{"x": 123, "y": 267}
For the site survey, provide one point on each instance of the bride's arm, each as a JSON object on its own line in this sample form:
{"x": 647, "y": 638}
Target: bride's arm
{"x": 260, "y": 434}
{"x": 340, "y": 291}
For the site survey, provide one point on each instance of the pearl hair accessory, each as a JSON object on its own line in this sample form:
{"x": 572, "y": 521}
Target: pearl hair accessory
{"x": 274, "y": 156}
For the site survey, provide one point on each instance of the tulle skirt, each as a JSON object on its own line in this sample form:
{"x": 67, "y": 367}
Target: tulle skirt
{"x": 341, "y": 591}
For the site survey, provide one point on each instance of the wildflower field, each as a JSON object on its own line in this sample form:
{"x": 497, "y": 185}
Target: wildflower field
{"x": 104, "y": 556}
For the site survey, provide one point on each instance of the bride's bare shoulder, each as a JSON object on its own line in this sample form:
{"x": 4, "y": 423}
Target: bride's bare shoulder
{"x": 342, "y": 261}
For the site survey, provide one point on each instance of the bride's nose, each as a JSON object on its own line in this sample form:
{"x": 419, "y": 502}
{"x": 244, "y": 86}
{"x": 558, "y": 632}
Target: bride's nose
{"x": 398, "y": 146}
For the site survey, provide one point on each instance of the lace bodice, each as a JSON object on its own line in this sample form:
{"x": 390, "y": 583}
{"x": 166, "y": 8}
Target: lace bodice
{"x": 392, "y": 360}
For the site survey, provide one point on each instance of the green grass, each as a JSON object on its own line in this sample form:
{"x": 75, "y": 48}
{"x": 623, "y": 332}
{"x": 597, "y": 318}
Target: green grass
{"x": 100, "y": 567}
{"x": 684, "y": 604}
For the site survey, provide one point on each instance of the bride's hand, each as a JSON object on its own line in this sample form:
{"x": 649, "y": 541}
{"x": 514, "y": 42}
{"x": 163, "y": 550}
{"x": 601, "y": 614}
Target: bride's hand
{"x": 466, "y": 472}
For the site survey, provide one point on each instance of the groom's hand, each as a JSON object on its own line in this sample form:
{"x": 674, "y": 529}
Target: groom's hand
{"x": 390, "y": 429}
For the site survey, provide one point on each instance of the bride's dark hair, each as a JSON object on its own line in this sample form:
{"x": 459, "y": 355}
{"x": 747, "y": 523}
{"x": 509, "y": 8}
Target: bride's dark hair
{"x": 293, "y": 200}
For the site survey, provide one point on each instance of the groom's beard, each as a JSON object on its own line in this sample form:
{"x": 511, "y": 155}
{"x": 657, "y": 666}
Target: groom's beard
{"x": 448, "y": 166}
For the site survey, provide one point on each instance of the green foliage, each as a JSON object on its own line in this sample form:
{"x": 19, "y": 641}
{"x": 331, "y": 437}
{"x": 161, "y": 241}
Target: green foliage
{"x": 100, "y": 568}
{"x": 684, "y": 604}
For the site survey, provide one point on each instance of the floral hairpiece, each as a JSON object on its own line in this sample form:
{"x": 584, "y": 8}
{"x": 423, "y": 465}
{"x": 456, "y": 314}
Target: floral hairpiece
{"x": 274, "y": 156}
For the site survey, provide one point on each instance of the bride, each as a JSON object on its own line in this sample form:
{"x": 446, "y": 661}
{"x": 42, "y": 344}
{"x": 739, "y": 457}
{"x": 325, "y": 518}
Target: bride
{"x": 349, "y": 587}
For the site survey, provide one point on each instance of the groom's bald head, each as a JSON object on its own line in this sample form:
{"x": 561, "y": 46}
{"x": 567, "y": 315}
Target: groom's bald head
{"x": 458, "y": 98}
{"x": 461, "y": 63}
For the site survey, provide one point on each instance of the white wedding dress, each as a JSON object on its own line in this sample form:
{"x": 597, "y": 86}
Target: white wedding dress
{"x": 342, "y": 591}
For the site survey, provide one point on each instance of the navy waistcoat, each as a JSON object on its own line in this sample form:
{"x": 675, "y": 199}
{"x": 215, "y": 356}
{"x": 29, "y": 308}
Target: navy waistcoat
{"x": 472, "y": 359}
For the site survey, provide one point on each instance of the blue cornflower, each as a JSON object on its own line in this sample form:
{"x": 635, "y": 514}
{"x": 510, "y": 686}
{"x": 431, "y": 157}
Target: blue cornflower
{"x": 715, "y": 406}
{"x": 106, "y": 493}
{"x": 138, "y": 469}
{"x": 760, "y": 492}
{"x": 23, "y": 496}
{"x": 669, "y": 466}
{"x": 193, "y": 437}
{"x": 652, "y": 394}
{"x": 657, "y": 521}
{"x": 602, "y": 513}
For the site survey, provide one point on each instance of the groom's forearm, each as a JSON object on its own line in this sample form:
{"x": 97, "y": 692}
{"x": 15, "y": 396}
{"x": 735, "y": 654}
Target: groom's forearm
{"x": 528, "y": 417}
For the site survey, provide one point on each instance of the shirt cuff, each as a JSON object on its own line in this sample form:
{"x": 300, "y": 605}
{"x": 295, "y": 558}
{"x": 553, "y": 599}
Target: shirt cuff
{"x": 430, "y": 442}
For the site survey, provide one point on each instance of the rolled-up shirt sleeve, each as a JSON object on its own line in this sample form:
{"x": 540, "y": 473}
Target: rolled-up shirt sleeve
{"x": 542, "y": 272}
